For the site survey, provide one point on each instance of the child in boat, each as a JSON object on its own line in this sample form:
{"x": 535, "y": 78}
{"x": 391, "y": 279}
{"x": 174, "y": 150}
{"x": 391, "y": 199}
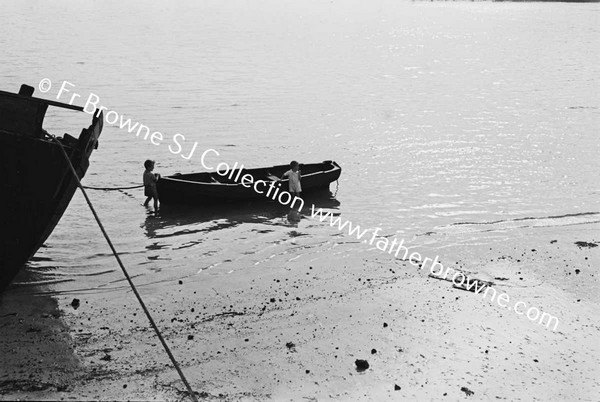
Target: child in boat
{"x": 294, "y": 176}
{"x": 150, "y": 180}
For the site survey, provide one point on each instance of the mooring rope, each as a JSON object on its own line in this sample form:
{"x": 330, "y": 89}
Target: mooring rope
{"x": 112, "y": 188}
{"x": 152, "y": 323}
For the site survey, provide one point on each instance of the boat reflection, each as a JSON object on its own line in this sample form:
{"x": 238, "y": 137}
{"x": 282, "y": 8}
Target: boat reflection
{"x": 185, "y": 219}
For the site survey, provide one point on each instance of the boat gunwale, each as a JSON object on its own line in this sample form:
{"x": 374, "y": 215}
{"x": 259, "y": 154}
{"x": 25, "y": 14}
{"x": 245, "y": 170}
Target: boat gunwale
{"x": 335, "y": 167}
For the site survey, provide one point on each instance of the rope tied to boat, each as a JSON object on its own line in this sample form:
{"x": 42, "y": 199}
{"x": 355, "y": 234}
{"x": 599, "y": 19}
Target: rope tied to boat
{"x": 131, "y": 284}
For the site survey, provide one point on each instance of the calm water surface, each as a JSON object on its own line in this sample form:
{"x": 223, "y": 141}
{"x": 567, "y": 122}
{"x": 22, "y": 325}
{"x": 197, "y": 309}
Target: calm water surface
{"x": 439, "y": 113}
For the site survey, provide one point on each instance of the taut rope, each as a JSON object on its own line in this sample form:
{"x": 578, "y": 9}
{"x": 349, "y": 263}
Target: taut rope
{"x": 152, "y": 323}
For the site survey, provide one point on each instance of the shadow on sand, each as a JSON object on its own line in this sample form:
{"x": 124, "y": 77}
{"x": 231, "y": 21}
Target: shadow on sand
{"x": 35, "y": 345}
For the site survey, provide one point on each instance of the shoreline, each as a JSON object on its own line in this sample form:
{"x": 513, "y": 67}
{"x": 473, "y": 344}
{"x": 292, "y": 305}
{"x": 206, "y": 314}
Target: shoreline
{"x": 297, "y": 329}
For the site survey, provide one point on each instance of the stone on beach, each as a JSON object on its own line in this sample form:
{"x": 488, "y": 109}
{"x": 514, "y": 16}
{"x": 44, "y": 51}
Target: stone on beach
{"x": 361, "y": 365}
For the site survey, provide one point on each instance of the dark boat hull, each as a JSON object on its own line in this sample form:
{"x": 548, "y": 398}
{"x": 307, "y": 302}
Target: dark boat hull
{"x": 36, "y": 187}
{"x": 211, "y": 187}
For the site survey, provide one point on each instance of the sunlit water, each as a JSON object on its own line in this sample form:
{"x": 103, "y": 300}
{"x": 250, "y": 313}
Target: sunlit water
{"x": 443, "y": 116}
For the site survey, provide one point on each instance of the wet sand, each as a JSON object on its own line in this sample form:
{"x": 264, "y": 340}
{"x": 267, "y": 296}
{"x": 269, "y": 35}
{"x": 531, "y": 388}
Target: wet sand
{"x": 295, "y": 331}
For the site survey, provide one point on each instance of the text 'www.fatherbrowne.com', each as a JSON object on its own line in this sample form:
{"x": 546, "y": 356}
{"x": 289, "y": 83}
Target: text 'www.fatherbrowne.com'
{"x": 399, "y": 250}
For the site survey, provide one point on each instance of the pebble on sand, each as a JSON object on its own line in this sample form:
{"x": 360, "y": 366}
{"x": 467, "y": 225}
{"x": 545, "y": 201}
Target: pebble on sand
{"x": 75, "y": 304}
{"x": 467, "y": 391}
{"x": 361, "y": 365}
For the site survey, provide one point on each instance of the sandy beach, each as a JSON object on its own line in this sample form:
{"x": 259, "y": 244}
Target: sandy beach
{"x": 295, "y": 331}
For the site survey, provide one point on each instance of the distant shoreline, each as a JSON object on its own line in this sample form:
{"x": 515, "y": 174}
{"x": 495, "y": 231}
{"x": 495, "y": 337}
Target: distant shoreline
{"x": 548, "y": 1}
{"x": 526, "y": 1}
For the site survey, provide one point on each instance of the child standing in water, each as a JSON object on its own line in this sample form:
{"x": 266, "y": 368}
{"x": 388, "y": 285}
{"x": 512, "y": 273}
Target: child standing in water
{"x": 150, "y": 180}
{"x": 294, "y": 176}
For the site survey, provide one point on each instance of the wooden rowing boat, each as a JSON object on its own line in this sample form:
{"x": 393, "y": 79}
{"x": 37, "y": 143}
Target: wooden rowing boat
{"x": 230, "y": 185}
